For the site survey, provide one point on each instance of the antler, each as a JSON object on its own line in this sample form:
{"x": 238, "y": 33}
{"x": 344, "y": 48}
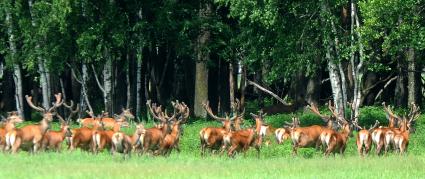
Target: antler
{"x": 72, "y": 111}
{"x": 374, "y": 126}
{"x": 61, "y": 118}
{"x": 57, "y": 103}
{"x": 207, "y": 108}
{"x": 414, "y": 112}
{"x": 90, "y": 113}
{"x": 31, "y": 104}
{"x": 316, "y": 111}
{"x": 389, "y": 112}
{"x": 155, "y": 113}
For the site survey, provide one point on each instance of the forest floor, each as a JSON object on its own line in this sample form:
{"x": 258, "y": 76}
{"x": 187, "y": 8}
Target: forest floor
{"x": 275, "y": 161}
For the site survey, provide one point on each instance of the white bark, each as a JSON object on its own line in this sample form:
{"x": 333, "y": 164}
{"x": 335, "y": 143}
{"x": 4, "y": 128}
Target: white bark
{"x": 127, "y": 77}
{"x": 42, "y": 70}
{"x": 17, "y": 75}
{"x": 107, "y": 82}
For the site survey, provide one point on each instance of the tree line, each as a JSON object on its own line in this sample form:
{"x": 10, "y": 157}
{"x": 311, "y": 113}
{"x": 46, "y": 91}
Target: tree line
{"x": 119, "y": 53}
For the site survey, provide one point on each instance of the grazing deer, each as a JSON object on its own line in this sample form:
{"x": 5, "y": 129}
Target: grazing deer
{"x": 242, "y": 140}
{"x": 284, "y": 133}
{"x": 123, "y": 143}
{"x": 364, "y": 138}
{"x": 54, "y": 139}
{"x": 212, "y": 137}
{"x": 32, "y": 133}
{"x": 154, "y": 136}
{"x": 401, "y": 139}
{"x": 7, "y": 125}
{"x": 305, "y": 137}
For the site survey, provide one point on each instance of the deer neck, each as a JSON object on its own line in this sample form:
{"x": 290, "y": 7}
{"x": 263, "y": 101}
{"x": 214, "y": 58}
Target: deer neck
{"x": 165, "y": 128}
{"x": 44, "y": 125}
{"x": 10, "y": 126}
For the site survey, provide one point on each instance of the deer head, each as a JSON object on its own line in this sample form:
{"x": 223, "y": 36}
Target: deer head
{"x": 329, "y": 120}
{"x": 47, "y": 113}
{"x": 392, "y": 118}
{"x": 227, "y": 121}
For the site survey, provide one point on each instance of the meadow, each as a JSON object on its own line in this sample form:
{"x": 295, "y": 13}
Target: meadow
{"x": 276, "y": 161}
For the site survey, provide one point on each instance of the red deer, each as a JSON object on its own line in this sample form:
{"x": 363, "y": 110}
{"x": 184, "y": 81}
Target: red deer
{"x": 155, "y": 135}
{"x": 7, "y": 125}
{"x": 102, "y": 137}
{"x": 383, "y": 136}
{"x": 54, "y": 139}
{"x": 305, "y": 137}
{"x": 337, "y": 141}
{"x": 83, "y": 137}
{"x": 32, "y": 133}
{"x": 401, "y": 139}
{"x": 242, "y": 140}
{"x": 212, "y": 137}
{"x": 108, "y": 121}
{"x": 123, "y": 143}
{"x": 364, "y": 139}
{"x": 172, "y": 140}
{"x": 284, "y": 133}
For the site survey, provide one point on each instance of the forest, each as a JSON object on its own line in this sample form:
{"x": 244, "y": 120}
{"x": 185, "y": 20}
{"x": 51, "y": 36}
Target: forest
{"x": 113, "y": 54}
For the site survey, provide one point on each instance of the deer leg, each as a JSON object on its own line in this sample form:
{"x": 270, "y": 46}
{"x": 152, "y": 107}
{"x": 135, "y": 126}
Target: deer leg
{"x": 231, "y": 153}
{"x": 16, "y": 145}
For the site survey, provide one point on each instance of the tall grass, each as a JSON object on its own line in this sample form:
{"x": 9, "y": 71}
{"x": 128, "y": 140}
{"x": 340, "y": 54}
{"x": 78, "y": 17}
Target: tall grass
{"x": 276, "y": 160}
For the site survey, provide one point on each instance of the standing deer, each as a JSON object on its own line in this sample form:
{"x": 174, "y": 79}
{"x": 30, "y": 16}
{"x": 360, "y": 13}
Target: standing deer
{"x": 242, "y": 140}
{"x": 401, "y": 139}
{"x": 108, "y": 122}
{"x": 305, "y": 137}
{"x": 8, "y": 124}
{"x": 154, "y": 136}
{"x": 54, "y": 139}
{"x": 123, "y": 143}
{"x": 364, "y": 138}
{"x": 337, "y": 141}
{"x": 383, "y": 136}
{"x": 32, "y": 133}
{"x": 212, "y": 137}
{"x": 284, "y": 133}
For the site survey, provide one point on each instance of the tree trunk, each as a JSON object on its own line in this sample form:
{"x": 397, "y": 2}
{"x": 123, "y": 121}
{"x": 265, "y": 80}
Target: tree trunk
{"x": 41, "y": 66}
{"x": 107, "y": 82}
{"x": 17, "y": 75}
{"x": 243, "y": 86}
{"x": 139, "y": 83}
{"x": 127, "y": 78}
{"x": 201, "y": 70}
{"x": 400, "y": 89}
{"x": 413, "y": 84}
{"x": 231, "y": 84}
{"x": 313, "y": 89}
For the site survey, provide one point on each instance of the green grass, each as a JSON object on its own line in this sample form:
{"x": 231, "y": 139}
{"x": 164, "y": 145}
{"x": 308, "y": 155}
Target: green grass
{"x": 276, "y": 161}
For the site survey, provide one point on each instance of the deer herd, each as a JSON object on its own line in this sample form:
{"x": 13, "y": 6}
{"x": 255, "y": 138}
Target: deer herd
{"x": 102, "y": 132}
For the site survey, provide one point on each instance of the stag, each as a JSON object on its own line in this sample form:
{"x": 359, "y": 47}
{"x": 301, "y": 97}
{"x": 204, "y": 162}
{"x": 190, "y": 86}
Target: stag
{"x": 53, "y": 139}
{"x": 305, "y": 137}
{"x": 154, "y": 136}
{"x": 284, "y": 133}
{"x": 242, "y": 140}
{"x": 8, "y": 124}
{"x": 123, "y": 143}
{"x": 212, "y": 137}
{"x": 33, "y": 133}
{"x": 384, "y": 136}
{"x": 364, "y": 138}
{"x": 401, "y": 139}
{"x": 108, "y": 122}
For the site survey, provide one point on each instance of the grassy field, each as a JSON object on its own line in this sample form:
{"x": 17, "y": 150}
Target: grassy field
{"x": 276, "y": 161}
